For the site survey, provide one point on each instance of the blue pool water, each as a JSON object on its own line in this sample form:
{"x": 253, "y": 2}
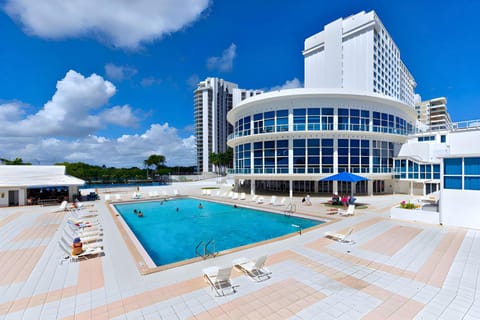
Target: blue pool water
{"x": 170, "y": 236}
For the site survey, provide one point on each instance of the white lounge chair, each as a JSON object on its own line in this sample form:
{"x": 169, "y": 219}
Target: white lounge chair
{"x": 117, "y": 197}
{"x": 339, "y": 236}
{"x": 273, "y": 200}
{"x": 87, "y": 253}
{"x": 84, "y": 239}
{"x": 256, "y": 270}
{"x": 349, "y": 212}
{"x": 242, "y": 196}
{"x": 281, "y": 203}
{"x": 63, "y": 206}
{"x": 107, "y": 197}
{"x": 219, "y": 279}
{"x": 235, "y": 196}
{"x": 260, "y": 200}
{"x": 175, "y": 193}
{"x": 217, "y": 193}
{"x": 68, "y": 242}
{"x": 254, "y": 198}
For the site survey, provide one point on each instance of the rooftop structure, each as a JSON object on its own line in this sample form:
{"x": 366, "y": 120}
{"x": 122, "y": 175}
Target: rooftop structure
{"x": 434, "y": 114}
{"x": 357, "y": 53}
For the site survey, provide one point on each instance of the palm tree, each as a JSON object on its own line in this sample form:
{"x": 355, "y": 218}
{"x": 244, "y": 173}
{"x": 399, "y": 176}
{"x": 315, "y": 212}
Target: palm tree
{"x": 156, "y": 160}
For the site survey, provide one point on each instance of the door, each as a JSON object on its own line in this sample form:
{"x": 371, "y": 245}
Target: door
{"x": 12, "y": 198}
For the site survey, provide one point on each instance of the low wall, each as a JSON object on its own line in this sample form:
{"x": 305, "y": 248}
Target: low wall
{"x": 415, "y": 215}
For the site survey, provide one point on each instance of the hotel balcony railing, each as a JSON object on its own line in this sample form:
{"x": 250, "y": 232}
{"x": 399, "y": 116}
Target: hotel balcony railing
{"x": 307, "y": 171}
{"x": 318, "y": 127}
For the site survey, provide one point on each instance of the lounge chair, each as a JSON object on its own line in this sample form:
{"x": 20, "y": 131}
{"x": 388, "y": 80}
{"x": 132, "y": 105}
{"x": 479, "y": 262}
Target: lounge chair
{"x": 273, "y": 200}
{"x": 217, "y": 193}
{"x": 84, "y": 239}
{"x": 349, "y": 212}
{"x": 63, "y": 206}
{"x": 260, "y": 200}
{"x": 339, "y": 236}
{"x": 254, "y": 198}
{"x": 107, "y": 197}
{"x": 281, "y": 203}
{"x": 68, "y": 242}
{"x": 255, "y": 270}
{"x": 117, "y": 197}
{"x": 235, "y": 196}
{"x": 79, "y": 214}
{"x": 87, "y": 253}
{"x": 175, "y": 193}
{"x": 219, "y": 279}
{"x": 242, "y": 196}
{"x": 93, "y": 230}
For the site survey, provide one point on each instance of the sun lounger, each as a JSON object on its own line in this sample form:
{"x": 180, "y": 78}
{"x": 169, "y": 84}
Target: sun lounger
{"x": 273, "y": 200}
{"x": 254, "y": 198}
{"x": 242, "y": 196}
{"x": 281, "y": 203}
{"x": 107, "y": 197}
{"x": 339, "y": 236}
{"x": 67, "y": 242}
{"x": 260, "y": 200}
{"x": 86, "y": 254}
{"x": 219, "y": 279}
{"x": 63, "y": 206}
{"x": 235, "y": 196}
{"x": 349, "y": 212}
{"x": 83, "y": 238}
{"x": 255, "y": 270}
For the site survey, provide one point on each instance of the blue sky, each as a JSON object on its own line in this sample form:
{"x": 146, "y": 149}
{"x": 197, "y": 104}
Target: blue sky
{"x": 111, "y": 82}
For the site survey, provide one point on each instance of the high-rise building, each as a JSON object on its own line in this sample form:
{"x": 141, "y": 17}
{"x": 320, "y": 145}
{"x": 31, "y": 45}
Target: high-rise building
{"x": 433, "y": 113}
{"x": 357, "y": 53}
{"x": 213, "y": 98}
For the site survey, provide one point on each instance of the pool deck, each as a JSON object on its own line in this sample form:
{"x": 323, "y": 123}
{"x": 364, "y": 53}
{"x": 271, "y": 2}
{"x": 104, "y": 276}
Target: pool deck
{"x": 390, "y": 270}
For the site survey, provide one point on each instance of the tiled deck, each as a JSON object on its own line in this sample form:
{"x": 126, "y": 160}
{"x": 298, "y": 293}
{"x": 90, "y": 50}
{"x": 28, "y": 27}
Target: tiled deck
{"x": 393, "y": 270}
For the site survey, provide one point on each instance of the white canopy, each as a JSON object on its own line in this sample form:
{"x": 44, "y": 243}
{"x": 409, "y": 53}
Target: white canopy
{"x": 36, "y": 176}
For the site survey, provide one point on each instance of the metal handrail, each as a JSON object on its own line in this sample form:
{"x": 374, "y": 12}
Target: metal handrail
{"x": 196, "y": 249}
{"x": 210, "y": 253}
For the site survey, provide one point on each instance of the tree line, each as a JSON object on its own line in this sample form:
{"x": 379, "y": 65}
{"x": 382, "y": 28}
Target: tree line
{"x": 154, "y": 170}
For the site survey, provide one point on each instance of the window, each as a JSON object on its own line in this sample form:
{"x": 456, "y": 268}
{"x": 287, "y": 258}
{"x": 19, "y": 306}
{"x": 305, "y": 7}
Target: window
{"x": 299, "y": 119}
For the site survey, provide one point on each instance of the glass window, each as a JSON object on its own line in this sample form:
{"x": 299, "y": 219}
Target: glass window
{"x": 452, "y": 182}
{"x": 472, "y": 166}
{"x": 452, "y": 166}
{"x": 299, "y": 119}
{"x": 472, "y": 183}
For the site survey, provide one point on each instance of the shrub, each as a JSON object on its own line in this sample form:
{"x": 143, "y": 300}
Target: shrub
{"x": 407, "y": 205}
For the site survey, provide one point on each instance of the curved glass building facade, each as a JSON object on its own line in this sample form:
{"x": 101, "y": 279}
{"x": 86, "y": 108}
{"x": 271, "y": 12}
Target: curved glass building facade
{"x": 305, "y": 134}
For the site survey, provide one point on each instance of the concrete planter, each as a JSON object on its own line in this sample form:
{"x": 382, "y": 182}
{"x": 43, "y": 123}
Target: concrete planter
{"x": 415, "y": 215}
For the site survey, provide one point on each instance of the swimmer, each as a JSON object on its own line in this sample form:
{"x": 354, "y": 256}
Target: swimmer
{"x": 140, "y": 214}
{"x": 178, "y": 209}
{"x": 200, "y": 206}
{"x": 135, "y": 211}
{"x": 235, "y": 206}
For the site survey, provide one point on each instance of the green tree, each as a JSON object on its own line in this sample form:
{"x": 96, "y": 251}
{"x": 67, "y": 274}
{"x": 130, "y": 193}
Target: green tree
{"x": 155, "y": 160}
{"x": 16, "y": 162}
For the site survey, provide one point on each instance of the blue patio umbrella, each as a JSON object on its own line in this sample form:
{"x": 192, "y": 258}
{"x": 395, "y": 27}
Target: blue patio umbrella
{"x": 345, "y": 177}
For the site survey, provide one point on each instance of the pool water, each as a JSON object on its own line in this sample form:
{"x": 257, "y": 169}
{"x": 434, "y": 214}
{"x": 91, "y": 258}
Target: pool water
{"x": 170, "y": 236}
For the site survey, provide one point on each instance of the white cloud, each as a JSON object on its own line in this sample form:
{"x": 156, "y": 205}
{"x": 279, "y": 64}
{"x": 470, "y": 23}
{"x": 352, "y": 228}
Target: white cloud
{"x": 289, "y": 84}
{"x": 119, "y": 115}
{"x": 193, "y": 80}
{"x": 224, "y": 63}
{"x": 70, "y": 112}
{"x": 119, "y": 73}
{"x": 150, "y": 81}
{"x": 122, "y": 23}
{"x": 124, "y": 151}
{"x": 64, "y": 129}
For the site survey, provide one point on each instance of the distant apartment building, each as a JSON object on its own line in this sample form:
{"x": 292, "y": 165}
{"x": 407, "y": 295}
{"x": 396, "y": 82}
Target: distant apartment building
{"x": 357, "y": 53}
{"x": 433, "y": 113}
{"x": 213, "y": 98}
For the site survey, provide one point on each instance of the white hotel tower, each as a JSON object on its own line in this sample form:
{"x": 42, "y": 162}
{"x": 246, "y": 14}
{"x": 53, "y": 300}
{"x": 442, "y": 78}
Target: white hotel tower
{"x": 354, "y": 114}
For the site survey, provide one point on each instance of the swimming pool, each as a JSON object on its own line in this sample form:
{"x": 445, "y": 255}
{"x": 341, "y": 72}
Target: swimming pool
{"x": 169, "y": 236}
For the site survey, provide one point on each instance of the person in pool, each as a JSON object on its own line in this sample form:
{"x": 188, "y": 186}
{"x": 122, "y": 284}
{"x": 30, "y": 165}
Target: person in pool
{"x": 140, "y": 214}
{"x": 200, "y": 206}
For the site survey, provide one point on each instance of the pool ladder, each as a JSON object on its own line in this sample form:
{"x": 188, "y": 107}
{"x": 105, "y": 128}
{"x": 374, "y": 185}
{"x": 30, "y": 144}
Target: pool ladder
{"x": 206, "y": 249}
{"x": 291, "y": 208}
